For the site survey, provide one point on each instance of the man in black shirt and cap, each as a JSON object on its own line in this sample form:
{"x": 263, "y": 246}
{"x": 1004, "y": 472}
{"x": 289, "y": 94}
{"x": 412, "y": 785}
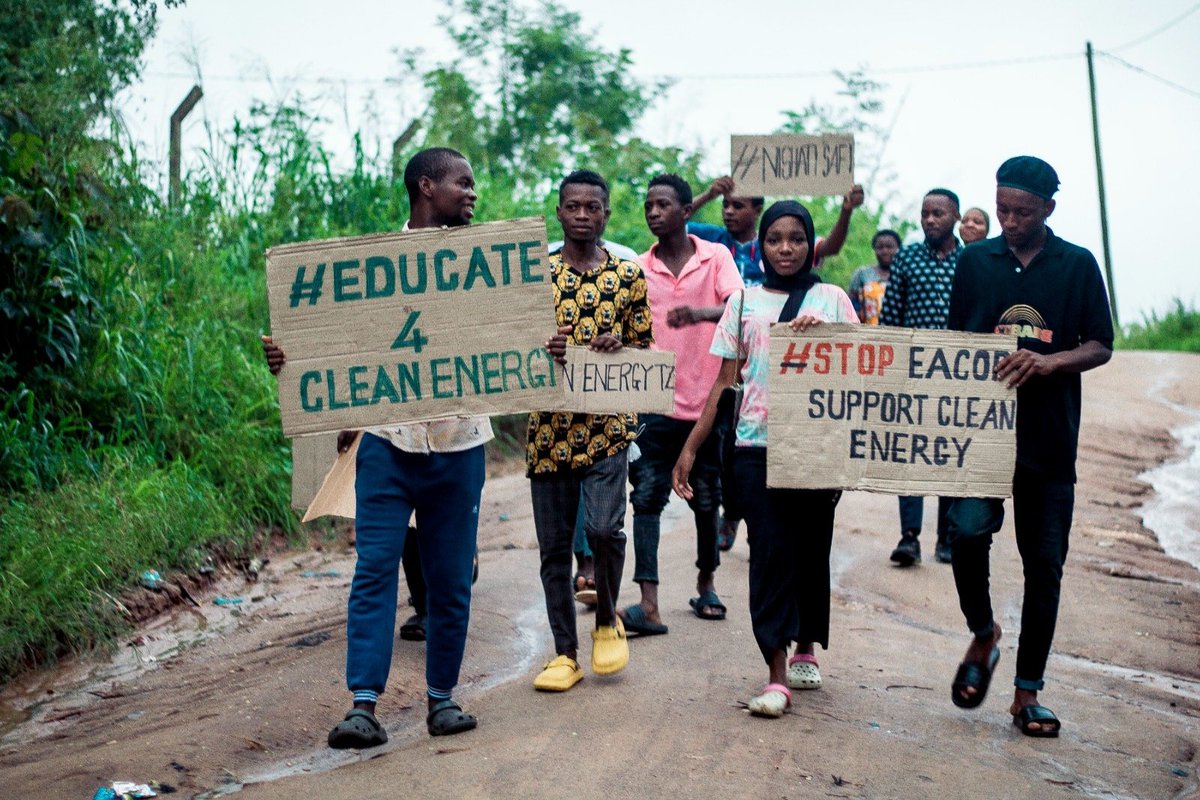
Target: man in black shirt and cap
{"x": 1050, "y": 294}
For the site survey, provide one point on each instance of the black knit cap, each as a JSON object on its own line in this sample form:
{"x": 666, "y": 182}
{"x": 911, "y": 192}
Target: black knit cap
{"x": 804, "y": 278}
{"x": 1029, "y": 174}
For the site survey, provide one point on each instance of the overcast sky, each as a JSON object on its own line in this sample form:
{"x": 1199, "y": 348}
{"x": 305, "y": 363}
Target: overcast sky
{"x": 969, "y": 85}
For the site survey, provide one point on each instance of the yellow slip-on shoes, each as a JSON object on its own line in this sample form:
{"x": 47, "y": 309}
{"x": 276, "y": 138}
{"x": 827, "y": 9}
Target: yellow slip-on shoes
{"x": 610, "y": 649}
{"x": 558, "y": 675}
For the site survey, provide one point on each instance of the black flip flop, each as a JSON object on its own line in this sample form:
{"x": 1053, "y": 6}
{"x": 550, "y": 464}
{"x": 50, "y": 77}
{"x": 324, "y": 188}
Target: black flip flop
{"x": 708, "y": 600}
{"x": 447, "y": 718}
{"x": 973, "y": 674}
{"x": 413, "y": 629}
{"x": 635, "y": 622}
{"x": 1041, "y": 715}
{"x": 358, "y": 731}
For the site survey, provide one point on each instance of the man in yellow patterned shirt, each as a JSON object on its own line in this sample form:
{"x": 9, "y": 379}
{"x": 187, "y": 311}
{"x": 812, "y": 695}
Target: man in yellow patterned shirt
{"x": 599, "y": 302}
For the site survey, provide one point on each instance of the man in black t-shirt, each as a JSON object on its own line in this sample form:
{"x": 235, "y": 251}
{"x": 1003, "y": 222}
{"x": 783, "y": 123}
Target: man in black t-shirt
{"x": 1050, "y": 294}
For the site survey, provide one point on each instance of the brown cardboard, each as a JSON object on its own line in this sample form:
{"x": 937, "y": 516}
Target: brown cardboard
{"x": 336, "y": 497}
{"x": 792, "y": 165}
{"x": 967, "y": 418}
{"x": 630, "y": 380}
{"x": 419, "y": 325}
{"x": 312, "y": 456}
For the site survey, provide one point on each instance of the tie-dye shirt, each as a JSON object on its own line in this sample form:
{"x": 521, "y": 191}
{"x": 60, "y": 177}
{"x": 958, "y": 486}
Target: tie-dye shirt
{"x": 762, "y": 307}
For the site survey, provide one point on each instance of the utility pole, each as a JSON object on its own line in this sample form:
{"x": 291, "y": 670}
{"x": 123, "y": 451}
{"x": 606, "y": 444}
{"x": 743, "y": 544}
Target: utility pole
{"x": 184, "y": 109}
{"x": 1108, "y": 270}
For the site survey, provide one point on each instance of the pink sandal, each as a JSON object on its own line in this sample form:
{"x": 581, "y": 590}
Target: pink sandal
{"x": 772, "y": 702}
{"x": 803, "y": 672}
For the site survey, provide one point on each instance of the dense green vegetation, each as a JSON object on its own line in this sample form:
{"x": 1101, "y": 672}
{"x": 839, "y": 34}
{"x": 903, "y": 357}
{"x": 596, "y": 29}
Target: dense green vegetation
{"x": 1178, "y": 329}
{"x": 138, "y": 425}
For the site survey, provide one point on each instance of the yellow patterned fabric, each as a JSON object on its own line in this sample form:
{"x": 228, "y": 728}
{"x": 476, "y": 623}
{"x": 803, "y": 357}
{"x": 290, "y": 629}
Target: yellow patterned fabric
{"x": 609, "y": 299}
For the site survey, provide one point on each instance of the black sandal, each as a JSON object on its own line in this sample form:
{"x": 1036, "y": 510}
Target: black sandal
{"x": 1039, "y": 715}
{"x": 358, "y": 731}
{"x": 447, "y": 718}
{"x": 413, "y": 629}
{"x": 708, "y": 606}
{"x": 973, "y": 674}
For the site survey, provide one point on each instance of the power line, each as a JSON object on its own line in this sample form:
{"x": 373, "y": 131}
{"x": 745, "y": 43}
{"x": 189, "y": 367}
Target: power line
{"x": 331, "y": 81}
{"x": 765, "y": 76}
{"x": 1149, "y": 74}
{"x": 761, "y": 76}
{"x": 868, "y": 71}
{"x": 1166, "y": 26}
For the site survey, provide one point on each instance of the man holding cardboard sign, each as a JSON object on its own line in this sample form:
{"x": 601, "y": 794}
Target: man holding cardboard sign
{"x": 435, "y": 469}
{"x": 576, "y": 458}
{"x": 1049, "y": 293}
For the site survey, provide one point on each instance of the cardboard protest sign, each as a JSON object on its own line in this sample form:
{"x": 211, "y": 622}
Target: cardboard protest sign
{"x": 788, "y": 164}
{"x": 420, "y": 325}
{"x": 312, "y": 456}
{"x": 628, "y": 381}
{"x": 337, "y": 497}
{"x": 890, "y": 410}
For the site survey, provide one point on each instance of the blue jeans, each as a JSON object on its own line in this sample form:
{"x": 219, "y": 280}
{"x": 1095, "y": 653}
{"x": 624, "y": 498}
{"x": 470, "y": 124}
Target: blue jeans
{"x": 444, "y": 490}
{"x": 660, "y": 442}
{"x": 1042, "y": 511}
{"x": 912, "y": 515}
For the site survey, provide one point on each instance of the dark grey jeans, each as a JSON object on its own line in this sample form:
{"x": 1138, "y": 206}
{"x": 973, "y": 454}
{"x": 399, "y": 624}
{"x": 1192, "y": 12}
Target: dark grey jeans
{"x": 661, "y": 440}
{"x": 556, "y": 501}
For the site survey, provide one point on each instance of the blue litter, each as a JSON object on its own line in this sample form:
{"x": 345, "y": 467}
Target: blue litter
{"x": 125, "y": 790}
{"x": 152, "y": 580}
{"x": 331, "y": 573}
{"x": 228, "y": 601}
{"x": 1183, "y": 773}
{"x": 874, "y": 726}
{"x": 505, "y": 518}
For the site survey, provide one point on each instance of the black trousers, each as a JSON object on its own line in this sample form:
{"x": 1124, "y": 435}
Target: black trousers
{"x": 790, "y": 532}
{"x": 660, "y": 442}
{"x": 1042, "y": 511}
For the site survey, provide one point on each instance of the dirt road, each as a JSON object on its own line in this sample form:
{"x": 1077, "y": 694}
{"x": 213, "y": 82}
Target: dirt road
{"x": 243, "y": 700}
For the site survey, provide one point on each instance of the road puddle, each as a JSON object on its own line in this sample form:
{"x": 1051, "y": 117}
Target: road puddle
{"x": 1173, "y": 511}
{"x": 1182, "y": 688}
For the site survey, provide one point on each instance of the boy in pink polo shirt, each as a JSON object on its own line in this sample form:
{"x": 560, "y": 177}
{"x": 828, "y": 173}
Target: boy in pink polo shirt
{"x": 688, "y": 281}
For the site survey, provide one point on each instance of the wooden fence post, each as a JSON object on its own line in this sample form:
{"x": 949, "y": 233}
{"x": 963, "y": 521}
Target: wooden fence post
{"x": 184, "y": 109}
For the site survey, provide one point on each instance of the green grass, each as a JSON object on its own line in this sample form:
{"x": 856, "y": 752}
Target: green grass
{"x": 66, "y": 555}
{"x": 1178, "y": 329}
